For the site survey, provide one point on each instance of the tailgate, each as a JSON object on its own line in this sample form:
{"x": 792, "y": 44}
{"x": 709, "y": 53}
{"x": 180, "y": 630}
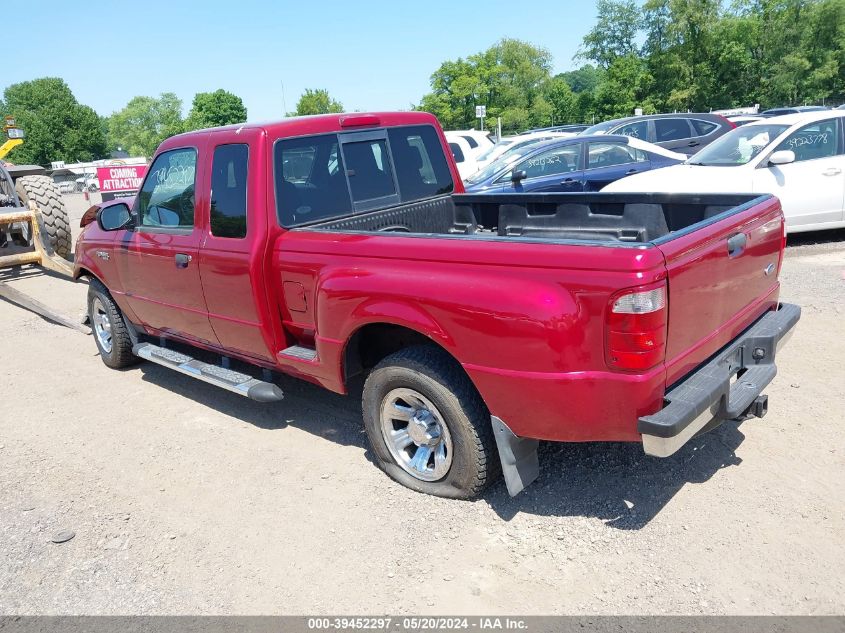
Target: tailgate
{"x": 723, "y": 274}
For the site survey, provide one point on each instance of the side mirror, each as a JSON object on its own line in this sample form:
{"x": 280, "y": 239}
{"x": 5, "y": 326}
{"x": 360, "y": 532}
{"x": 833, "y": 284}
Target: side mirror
{"x": 517, "y": 175}
{"x": 782, "y": 157}
{"x": 114, "y": 217}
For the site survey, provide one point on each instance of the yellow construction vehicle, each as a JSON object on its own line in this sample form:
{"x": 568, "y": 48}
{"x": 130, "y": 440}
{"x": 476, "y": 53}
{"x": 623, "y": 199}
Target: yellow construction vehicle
{"x": 34, "y": 227}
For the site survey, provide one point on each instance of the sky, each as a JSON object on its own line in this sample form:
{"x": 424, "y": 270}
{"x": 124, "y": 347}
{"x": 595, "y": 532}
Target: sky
{"x": 370, "y": 55}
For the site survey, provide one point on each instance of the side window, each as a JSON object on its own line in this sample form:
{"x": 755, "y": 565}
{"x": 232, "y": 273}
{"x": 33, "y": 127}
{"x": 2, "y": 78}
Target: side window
{"x": 816, "y": 140}
{"x": 228, "y": 190}
{"x": 703, "y": 128}
{"x": 368, "y": 169}
{"x": 470, "y": 141}
{"x": 671, "y": 129}
{"x": 637, "y": 129}
{"x": 555, "y": 161}
{"x": 457, "y": 153}
{"x": 609, "y": 154}
{"x": 420, "y": 163}
{"x": 166, "y": 199}
{"x": 310, "y": 180}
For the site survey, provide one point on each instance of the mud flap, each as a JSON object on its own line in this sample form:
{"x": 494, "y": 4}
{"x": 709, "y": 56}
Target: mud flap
{"x": 520, "y": 464}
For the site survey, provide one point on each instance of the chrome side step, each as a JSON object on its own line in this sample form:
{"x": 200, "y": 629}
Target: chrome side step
{"x": 233, "y": 381}
{"x": 297, "y": 352}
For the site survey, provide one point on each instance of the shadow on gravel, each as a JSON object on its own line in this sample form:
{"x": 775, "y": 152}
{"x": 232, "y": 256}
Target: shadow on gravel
{"x": 617, "y": 482}
{"x": 815, "y": 237}
{"x": 305, "y": 406}
{"x": 614, "y": 482}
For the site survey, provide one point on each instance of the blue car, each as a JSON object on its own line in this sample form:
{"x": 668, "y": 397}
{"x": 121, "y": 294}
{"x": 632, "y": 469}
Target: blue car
{"x": 570, "y": 164}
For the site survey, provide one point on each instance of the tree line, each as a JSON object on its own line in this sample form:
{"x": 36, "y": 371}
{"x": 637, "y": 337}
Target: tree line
{"x": 661, "y": 56}
{"x": 59, "y": 128}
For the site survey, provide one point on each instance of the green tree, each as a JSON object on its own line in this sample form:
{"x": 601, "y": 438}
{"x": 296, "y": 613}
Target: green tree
{"x": 213, "y": 109}
{"x": 509, "y": 78}
{"x": 583, "y": 79}
{"x": 316, "y": 102}
{"x": 145, "y": 122}
{"x": 615, "y": 32}
{"x": 57, "y": 127}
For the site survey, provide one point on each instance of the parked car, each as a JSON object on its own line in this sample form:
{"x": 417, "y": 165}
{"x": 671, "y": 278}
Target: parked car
{"x": 685, "y": 133}
{"x": 463, "y": 154}
{"x": 67, "y": 186}
{"x": 793, "y": 110}
{"x": 800, "y": 158}
{"x": 575, "y": 163}
{"x": 479, "y": 324}
{"x": 572, "y": 128}
{"x": 513, "y": 145}
{"x": 742, "y": 119}
{"x": 477, "y": 140}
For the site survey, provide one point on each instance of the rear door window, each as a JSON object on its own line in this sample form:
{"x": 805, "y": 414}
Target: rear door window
{"x": 310, "y": 180}
{"x": 671, "y": 130}
{"x": 421, "y": 167}
{"x": 609, "y": 154}
{"x": 228, "y": 190}
{"x": 703, "y": 128}
{"x": 457, "y": 153}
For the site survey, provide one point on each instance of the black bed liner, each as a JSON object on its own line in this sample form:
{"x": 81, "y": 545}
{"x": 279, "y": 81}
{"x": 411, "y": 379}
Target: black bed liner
{"x": 610, "y": 217}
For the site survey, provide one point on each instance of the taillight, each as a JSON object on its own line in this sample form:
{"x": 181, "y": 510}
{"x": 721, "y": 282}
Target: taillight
{"x": 636, "y": 329}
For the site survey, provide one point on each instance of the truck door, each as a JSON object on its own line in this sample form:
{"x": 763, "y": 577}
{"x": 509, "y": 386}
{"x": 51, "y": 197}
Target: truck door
{"x": 232, "y": 254}
{"x": 157, "y": 261}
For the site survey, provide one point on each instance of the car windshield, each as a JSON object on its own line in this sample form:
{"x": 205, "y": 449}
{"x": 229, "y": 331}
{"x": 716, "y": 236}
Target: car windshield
{"x": 497, "y": 147}
{"x": 738, "y": 146}
{"x": 599, "y": 128}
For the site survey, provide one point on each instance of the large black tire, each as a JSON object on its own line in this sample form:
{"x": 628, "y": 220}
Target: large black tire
{"x": 119, "y": 353}
{"x": 46, "y": 195}
{"x": 436, "y": 376}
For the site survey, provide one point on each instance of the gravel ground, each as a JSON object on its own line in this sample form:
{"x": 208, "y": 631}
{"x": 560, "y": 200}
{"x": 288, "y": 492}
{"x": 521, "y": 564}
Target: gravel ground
{"x": 185, "y": 499}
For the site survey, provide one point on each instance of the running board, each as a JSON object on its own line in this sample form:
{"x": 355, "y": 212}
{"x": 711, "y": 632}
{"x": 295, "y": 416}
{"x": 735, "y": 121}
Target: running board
{"x": 297, "y": 352}
{"x": 233, "y": 381}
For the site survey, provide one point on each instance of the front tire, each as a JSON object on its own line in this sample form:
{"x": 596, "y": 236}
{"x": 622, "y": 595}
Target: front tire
{"x": 427, "y": 425}
{"x": 111, "y": 334}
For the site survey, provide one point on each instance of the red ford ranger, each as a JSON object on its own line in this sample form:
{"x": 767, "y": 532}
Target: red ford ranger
{"x": 340, "y": 247}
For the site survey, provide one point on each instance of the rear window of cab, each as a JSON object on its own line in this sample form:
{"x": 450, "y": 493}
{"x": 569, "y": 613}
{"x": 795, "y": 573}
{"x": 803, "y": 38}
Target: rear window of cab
{"x": 334, "y": 175}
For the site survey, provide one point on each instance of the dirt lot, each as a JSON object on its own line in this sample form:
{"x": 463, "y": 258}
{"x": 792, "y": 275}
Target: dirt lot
{"x": 189, "y": 499}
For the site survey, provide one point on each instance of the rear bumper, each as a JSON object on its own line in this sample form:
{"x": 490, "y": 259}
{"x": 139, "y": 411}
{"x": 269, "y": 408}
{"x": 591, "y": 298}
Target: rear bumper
{"x": 707, "y": 394}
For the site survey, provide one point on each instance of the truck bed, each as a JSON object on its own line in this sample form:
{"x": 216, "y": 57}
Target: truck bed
{"x": 612, "y": 219}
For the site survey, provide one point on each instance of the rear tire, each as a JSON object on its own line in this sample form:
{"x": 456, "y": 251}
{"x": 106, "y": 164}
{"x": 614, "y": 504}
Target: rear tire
{"x": 43, "y": 192}
{"x": 111, "y": 334}
{"x": 419, "y": 399}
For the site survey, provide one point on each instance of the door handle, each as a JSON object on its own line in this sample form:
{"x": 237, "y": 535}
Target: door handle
{"x": 182, "y": 260}
{"x": 693, "y": 144}
{"x": 566, "y": 181}
{"x": 630, "y": 171}
{"x": 832, "y": 171}
{"x": 736, "y": 244}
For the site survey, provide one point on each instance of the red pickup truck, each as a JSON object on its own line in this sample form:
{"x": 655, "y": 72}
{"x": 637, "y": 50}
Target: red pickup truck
{"x": 341, "y": 247}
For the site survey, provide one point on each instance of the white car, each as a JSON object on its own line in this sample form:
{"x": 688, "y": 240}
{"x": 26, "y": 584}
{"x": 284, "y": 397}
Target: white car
{"x": 478, "y": 141}
{"x": 800, "y": 158}
{"x": 463, "y": 154}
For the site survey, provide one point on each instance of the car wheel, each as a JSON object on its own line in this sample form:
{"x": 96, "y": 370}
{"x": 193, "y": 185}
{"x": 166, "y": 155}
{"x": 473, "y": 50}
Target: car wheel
{"x": 111, "y": 334}
{"x": 427, "y": 425}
